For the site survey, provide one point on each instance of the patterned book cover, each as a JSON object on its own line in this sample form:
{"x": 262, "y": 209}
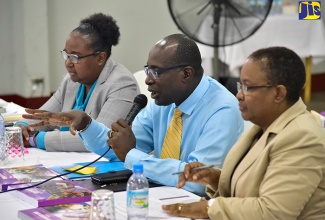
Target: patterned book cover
{"x": 54, "y": 192}
{"x": 76, "y": 211}
{"x": 24, "y": 174}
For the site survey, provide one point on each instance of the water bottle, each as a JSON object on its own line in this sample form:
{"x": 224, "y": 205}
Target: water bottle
{"x": 2, "y": 126}
{"x": 2, "y": 144}
{"x": 137, "y": 194}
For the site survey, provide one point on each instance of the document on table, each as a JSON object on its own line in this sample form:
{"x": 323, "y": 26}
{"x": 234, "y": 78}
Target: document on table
{"x": 158, "y": 196}
{"x": 13, "y": 111}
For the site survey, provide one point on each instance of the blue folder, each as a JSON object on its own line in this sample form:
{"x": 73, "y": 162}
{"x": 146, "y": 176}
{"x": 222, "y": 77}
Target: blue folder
{"x": 101, "y": 167}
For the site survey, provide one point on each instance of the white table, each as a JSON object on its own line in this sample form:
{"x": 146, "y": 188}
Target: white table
{"x": 305, "y": 37}
{"x": 10, "y": 205}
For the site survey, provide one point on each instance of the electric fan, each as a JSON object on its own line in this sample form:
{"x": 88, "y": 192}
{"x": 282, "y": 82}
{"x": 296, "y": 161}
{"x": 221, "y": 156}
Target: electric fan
{"x": 219, "y": 22}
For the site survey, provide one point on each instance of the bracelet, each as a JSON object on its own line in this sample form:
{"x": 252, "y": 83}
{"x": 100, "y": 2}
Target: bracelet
{"x": 31, "y": 141}
{"x": 32, "y": 135}
{"x": 82, "y": 130}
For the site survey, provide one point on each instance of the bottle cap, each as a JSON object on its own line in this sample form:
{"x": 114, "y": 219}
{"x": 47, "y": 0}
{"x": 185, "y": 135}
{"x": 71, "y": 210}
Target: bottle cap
{"x": 137, "y": 168}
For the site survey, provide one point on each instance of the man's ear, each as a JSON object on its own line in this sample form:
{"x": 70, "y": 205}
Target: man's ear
{"x": 281, "y": 93}
{"x": 188, "y": 72}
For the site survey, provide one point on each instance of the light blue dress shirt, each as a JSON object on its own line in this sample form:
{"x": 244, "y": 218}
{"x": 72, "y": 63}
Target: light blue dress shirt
{"x": 212, "y": 123}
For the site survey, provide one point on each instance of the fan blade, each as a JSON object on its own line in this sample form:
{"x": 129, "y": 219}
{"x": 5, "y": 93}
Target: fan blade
{"x": 218, "y": 22}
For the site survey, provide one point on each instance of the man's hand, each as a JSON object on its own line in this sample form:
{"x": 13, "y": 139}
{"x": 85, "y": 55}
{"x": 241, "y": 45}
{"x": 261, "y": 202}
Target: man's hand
{"x": 121, "y": 139}
{"x": 75, "y": 119}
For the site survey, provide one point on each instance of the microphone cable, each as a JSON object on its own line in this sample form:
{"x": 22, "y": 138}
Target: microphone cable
{"x": 57, "y": 176}
{"x": 140, "y": 101}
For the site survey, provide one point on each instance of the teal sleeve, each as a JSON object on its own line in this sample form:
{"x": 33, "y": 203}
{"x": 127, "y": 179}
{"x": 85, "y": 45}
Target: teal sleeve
{"x": 21, "y": 123}
{"x": 40, "y": 143}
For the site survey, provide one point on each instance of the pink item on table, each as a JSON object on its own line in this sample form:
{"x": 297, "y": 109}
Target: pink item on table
{"x": 13, "y": 152}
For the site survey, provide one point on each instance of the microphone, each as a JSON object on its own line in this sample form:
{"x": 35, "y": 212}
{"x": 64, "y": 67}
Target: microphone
{"x": 140, "y": 101}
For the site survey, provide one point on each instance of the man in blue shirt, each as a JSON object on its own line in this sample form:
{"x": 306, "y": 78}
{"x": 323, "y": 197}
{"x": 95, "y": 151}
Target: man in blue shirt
{"x": 211, "y": 121}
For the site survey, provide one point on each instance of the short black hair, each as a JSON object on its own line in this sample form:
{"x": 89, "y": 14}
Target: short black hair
{"x": 102, "y": 30}
{"x": 282, "y": 67}
{"x": 187, "y": 51}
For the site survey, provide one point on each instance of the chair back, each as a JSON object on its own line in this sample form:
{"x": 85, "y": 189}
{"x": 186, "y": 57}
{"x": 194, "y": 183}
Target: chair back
{"x": 319, "y": 118}
{"x": 140, "y": 76}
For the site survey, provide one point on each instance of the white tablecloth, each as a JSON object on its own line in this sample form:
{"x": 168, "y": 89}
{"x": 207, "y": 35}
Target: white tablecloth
{"x": 10, "y": 205}
{"x": 305, "y": 37}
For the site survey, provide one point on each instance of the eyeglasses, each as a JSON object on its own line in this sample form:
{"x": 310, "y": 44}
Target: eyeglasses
{"x": 75, "y": 58}
{"x": 155, "y": 73}
{"x": 245, "y": 88}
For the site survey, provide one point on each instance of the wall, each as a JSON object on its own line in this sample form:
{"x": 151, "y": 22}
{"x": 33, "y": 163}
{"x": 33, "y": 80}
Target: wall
{"x": 33, "y": 32}
{"x": 24, "y": 45}
{"x": 36, "y": 31}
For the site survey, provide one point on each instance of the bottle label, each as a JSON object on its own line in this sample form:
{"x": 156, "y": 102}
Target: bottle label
{"x": 137, "y": 198}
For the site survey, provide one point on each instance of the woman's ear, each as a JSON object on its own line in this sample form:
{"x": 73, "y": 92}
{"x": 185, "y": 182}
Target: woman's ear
{"x": 102, "y": 57}
{"x": 281, "y": 93}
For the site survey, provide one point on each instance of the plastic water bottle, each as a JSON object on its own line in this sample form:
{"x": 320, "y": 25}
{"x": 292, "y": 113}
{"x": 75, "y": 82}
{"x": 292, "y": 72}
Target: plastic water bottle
{"x": 2, "y": 144}
{"x": 137, "y": 194}
{"x": 2, "y": 126}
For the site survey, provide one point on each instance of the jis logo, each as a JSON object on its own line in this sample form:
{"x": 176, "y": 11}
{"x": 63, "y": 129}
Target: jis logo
{"x": 309, "y": 10}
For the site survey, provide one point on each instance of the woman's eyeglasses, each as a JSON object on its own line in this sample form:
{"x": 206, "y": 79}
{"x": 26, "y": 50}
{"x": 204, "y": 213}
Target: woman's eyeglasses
{"x": 245, "y": 88}
{"x": 75, "y": 58}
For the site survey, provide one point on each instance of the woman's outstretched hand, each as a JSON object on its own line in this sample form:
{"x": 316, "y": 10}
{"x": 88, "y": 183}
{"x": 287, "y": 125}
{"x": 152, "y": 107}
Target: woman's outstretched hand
{"x": 75, "y": 119}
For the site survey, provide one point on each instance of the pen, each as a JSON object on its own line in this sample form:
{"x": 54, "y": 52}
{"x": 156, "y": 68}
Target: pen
{"x": 175, "y": 197}
{"x": 200, "y": 168}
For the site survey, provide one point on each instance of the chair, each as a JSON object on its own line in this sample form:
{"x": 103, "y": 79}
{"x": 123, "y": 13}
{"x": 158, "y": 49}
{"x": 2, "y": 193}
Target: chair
{"x": 319, "y": 118}
{"x": 140, "y": 76}
{"x": 247, "y": 125}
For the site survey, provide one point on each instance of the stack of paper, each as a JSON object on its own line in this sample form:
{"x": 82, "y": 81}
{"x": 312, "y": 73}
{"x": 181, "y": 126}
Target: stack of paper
{"x": 13, "y": 111}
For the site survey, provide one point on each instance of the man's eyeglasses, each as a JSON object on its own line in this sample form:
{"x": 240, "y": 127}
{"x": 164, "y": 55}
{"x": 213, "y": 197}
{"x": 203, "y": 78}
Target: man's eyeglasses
{"x": 155, "y": 73}
{"x": 245, "y": 88}
{"x": 75, "y": 58}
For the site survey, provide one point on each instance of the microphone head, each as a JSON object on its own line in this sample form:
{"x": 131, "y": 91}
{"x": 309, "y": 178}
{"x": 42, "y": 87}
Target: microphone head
{"x": 141, "y": 100}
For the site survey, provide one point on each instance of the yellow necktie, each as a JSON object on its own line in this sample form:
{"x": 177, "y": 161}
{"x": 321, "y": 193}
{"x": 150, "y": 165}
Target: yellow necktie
{"x": 173, "y": 138}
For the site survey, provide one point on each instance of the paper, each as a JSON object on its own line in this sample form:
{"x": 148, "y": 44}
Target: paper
{"x": 13, "y": 111}
{"x": 10, "y": 111}
{"x": 158, "y": 196}
{"x": 86, "y": 170}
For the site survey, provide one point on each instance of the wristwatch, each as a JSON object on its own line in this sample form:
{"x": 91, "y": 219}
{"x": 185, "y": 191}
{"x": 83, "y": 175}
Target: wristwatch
{"x": 32, "y": 136}
{"x": 210, "y": 202}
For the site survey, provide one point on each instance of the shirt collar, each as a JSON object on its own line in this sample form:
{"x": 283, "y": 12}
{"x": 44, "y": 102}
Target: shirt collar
{"x": 190, "y": 103}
